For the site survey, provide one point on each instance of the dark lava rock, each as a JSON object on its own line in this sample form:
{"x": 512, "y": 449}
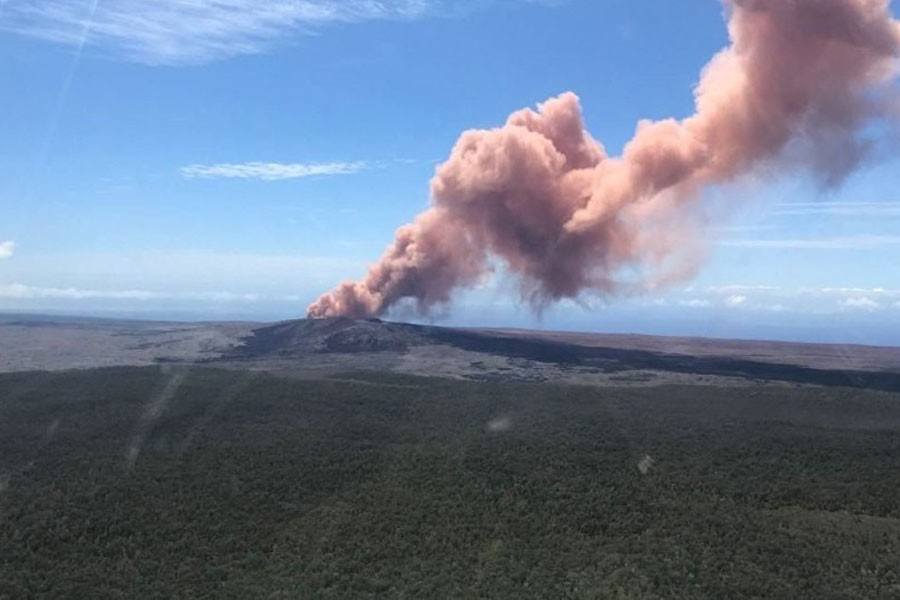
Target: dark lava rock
{"x": 340, "y": 334}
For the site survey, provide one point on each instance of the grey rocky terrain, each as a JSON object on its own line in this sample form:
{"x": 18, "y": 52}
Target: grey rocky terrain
{"x": 305, "y": 348}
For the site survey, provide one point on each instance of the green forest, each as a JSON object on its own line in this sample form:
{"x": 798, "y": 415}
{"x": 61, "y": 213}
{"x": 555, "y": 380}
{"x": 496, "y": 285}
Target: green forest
{"x": 179, "y": 482}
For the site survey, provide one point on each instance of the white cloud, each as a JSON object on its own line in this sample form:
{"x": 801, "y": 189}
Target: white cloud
{"x": 845, "y": 291}
{"x": 7, "y": 249}
{"x": 862, "y": 303}
{"x": 844, "y": 209}
{"x": 736, "y": 300}
{"x": 175, "y": 32}
{"x": 271, "y": 171}
{"x": 18, "y": 291}
{"x": 730, "y": 229}
{"x": 183, "y": 272}
{"x": 822, "y": 300}
{"x": 695, "y": 303}
{"x": 859, "y": 242}
{"x": 771, "y": 290}
{"x": 740, "y": 289}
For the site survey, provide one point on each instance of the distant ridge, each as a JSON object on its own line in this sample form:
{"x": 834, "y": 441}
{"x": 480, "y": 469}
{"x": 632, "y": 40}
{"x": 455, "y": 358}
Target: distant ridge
{"x": 304, "y": 337}
{"x": 313, "y": 347}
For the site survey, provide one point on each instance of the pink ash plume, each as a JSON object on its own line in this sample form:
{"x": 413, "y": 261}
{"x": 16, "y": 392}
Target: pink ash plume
{"x": 799, "y": 83}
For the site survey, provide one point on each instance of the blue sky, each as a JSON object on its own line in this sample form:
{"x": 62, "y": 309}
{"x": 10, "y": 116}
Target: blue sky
{"x": 237, "y": 159}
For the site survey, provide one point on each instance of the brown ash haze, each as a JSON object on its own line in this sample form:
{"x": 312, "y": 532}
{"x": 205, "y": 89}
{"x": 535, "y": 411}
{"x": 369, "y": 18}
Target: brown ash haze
{"x": 804, "y": 85}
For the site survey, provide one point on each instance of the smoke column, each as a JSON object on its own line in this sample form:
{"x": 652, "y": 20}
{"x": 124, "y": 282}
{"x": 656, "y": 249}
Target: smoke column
{"x": 796, "y": 88}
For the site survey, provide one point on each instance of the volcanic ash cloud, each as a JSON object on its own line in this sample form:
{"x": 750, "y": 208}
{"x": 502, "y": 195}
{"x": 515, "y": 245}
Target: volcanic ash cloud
{"x": 800, "y": 86}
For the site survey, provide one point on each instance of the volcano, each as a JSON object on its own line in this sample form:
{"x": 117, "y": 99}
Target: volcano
{"x": 512, "y": 354}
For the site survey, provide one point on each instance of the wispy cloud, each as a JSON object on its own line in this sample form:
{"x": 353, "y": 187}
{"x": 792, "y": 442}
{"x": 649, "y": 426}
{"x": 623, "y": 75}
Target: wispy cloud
{"x": 878, "y": 292}
{"x": 271, "y": 171}
{"x": 740, "y": 289}
{"x": 730, "y": 291}
{"x": 819, "y": 300}
{"x": 176, "y": 32}
{"x": 7, "y": 249}
{"x": 730, "y": 229}
{"x": 20, "y": 291}
{"x": 695, "y": 303}
{"x": 857, "y": 242}
{"x": 179, "y": 272}
{"x": 843, "y": 209}
{"x": 862, "y": 303}
{"x": 736, "y": 300}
